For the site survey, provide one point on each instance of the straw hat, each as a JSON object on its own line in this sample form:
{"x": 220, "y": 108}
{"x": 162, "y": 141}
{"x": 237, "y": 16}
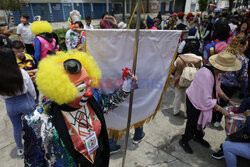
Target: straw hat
{"x": 225, "y": 61}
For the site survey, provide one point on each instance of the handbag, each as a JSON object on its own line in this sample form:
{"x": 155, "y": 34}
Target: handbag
{"x": 240, "y": 136}
{"x": 236, "y": 122}
{"x": 187, "y": 75}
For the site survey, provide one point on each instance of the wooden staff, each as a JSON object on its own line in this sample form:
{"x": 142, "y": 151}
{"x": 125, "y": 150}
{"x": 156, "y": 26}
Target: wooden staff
{"x": 137, "y": 32}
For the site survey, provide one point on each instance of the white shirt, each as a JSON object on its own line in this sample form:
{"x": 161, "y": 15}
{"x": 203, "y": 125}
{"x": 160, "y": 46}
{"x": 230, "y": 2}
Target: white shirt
{"x": 90, "y": 27}
{"x": 24, "y": 30}
{"x": 28, "y": 86}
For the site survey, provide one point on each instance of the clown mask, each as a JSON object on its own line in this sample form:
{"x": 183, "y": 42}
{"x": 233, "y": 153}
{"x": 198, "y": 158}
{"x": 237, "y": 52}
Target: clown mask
{"x": 24, "y": 20}
{"x": 79, "y": 76}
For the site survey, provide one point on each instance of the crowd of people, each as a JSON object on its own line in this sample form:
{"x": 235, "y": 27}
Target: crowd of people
{"x": 217, "y": 45}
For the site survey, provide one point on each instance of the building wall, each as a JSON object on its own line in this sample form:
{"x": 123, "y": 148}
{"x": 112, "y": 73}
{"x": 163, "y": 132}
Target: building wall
{"x": 167, "y": 6}
{"x": 63, "y": 1}
{"x": 164, "y": 6}
{"x": 223, "y": 4}
{"x": 58, "y": 10}
{"x": 191, "y": 6}
{"x": 179, "y": 6}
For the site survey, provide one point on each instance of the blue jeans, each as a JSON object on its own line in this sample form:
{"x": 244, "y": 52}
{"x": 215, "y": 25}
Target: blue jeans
{"x": 233, "y": 149}
{"x": 138, "y": 134}
{"x": 16, "y": 107}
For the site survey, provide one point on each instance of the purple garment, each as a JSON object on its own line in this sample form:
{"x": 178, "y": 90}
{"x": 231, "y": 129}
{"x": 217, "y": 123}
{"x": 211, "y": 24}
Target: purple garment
{"x": 105, "y": 24}
{"x": 200, "y": 94}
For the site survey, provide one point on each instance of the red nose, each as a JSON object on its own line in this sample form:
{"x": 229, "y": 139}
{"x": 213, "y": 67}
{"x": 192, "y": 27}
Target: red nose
{"x": 88, "y": 94}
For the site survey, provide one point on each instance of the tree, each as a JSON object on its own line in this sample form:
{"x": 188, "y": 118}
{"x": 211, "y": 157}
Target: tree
{"x": 10, "y": 5}
{"x": 203, "y": 5}
{"x": 7, "y": 6}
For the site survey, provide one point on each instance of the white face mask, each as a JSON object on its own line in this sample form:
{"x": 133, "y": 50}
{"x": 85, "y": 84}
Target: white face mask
{"x": 82, "y": 90}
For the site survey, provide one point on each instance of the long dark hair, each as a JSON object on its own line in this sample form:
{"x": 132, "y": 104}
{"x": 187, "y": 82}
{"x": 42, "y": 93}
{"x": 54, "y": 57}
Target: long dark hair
{"x": 239, "y": 27}
{"x": 11, "y": 79}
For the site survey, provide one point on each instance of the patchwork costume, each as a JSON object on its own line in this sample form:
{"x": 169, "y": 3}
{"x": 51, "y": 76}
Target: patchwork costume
{"x": 69, "y": 130}
{"x": 74, "y": 39}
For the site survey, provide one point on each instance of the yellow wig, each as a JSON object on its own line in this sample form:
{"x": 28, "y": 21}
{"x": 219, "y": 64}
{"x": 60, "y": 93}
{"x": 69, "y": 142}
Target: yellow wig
{"x": 53, "y": 80}
{"x": 39, "y": 27}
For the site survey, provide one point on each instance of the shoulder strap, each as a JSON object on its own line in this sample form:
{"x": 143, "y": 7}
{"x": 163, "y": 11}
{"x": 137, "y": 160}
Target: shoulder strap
{"x": 214, "y": 87}
{"x": 182, "y": 59}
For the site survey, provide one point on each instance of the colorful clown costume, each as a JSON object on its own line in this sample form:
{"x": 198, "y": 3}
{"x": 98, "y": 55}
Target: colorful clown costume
{"x": 69, "y": 130}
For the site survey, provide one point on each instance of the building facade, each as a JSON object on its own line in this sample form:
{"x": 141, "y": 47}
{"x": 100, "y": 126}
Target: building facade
{"x": 170, "y": 6}
{"x": 191, "y": 6}
{"x": 58, "y": 10}
{"x": 223, "y": 4}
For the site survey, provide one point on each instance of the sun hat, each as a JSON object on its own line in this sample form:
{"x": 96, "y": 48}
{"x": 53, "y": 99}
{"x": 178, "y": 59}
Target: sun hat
{"x": 122, "y": 25}
{"x": 225, "y": 61}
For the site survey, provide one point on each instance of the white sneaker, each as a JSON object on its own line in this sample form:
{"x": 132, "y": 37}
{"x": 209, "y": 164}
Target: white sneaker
{"x": 20, "y": 151}
{"x": 217, "y": 124}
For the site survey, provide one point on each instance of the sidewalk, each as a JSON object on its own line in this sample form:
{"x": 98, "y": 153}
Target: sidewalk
{"x": 159, "y": 148}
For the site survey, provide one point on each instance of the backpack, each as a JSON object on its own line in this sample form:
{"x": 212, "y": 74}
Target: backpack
{"x": 191, "y": 43}
{"x": 187, "y": 75}
{"x": 209, "y": 49}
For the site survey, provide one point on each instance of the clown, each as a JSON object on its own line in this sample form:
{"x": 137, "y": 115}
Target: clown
{"x": 70, "y": 130}
{"x": 44, "y": 43}
{"x": 73, "y": 37}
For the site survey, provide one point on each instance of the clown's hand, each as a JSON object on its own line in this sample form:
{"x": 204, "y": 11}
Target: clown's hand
{"x": 130, "y": 83}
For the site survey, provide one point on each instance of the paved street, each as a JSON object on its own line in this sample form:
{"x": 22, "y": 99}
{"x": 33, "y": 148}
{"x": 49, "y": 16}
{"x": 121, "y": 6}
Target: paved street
{"x": 159, "y": 148}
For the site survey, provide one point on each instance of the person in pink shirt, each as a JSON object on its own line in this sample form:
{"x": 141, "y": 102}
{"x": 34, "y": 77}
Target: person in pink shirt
{"x": 202, "y": 97}
{"x": 108, "y": 22}
{"x": 155, "y": 26}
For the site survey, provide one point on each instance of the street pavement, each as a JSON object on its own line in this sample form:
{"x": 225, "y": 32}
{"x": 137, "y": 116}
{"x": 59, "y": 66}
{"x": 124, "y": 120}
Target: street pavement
{"x": 159, "y": 148}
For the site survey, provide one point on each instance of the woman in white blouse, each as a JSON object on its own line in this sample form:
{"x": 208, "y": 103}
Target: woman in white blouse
{"x": 17, "y": 89}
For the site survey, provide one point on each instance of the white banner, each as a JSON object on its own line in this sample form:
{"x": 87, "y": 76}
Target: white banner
{"x": 113, "y": 50}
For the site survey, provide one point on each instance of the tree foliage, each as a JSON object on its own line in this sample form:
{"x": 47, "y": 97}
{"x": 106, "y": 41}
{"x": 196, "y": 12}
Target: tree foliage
{"x": 10, "y": 5}
{"x": 203, "y": 5}
{"x": 61, "y": 37}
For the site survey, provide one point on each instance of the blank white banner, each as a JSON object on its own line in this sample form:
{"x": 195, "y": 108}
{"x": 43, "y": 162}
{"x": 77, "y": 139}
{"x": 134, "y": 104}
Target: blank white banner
{"x": 113, "y": 50}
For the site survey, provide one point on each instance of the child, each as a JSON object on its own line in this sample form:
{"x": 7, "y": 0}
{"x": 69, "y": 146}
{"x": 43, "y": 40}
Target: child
{"x": 25, "y": 61}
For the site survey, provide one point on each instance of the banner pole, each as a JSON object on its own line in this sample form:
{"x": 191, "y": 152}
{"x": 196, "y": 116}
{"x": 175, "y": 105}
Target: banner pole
{"x": 137, "y": 32}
